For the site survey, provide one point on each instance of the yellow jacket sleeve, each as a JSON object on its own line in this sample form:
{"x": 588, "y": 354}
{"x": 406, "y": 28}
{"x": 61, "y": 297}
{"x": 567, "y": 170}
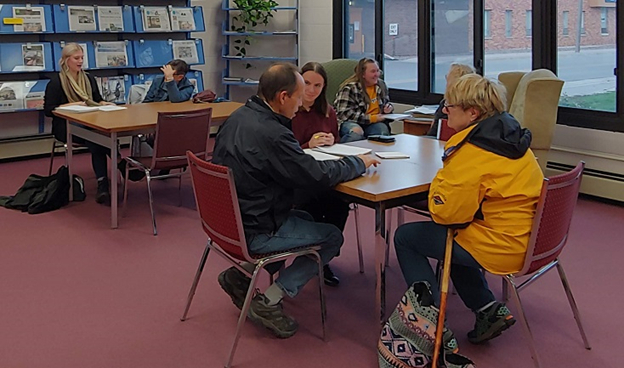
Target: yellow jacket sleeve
{"x": 456, "y": 192}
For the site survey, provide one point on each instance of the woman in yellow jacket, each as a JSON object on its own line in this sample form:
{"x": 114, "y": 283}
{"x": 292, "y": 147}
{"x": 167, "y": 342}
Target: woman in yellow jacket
{"x": 488, "y": 191}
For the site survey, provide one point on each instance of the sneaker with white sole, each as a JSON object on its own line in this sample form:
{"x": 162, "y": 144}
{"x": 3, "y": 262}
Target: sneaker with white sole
{"x": 490, "y": 323}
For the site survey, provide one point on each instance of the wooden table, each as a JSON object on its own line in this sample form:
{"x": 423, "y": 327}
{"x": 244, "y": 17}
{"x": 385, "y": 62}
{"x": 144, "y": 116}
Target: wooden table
{"x": 393, "y": 183}
{"x": 104, "y": 128}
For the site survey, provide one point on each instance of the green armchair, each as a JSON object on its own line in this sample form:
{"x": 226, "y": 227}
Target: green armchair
{"x": 337, "y": 71}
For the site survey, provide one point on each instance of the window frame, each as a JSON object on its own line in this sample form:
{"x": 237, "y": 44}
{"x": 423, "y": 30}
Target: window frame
{"x": 544, "y": 47}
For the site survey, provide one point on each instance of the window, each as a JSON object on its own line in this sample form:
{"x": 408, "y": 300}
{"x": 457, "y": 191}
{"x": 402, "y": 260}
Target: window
{"x": 400, "y": 40}
{"x": 487, "y": 33}
{"x": 360, "y": 21}
{"x": 451, "y": 40}
{"x": 529, "y": 23}
{"x": 508, "y": 25}
{"x": 586, "y": 70}
{"x": 565, "y": 20}
{"x": 583, "y": 23}
{"x": 603, "y": 21}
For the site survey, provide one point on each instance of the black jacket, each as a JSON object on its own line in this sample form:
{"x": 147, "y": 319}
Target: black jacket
{"x": 55, "y": 97}
{"x": 268, "y": 165}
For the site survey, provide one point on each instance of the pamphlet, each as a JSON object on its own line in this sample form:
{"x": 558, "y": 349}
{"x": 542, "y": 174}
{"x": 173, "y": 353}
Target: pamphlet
{"x": 320, "y": 156}
{"x": 81, "y": 18}
{"x": 424, "y": 109}
{"x": 112, "y": 89}
{"x": 156, "y": 19}
{"x": 11, "y": 96}
{"x": 185, "y": 50}
{"x": 111, "y": 54}
{"x": 33, "y": 16}
{"x": 34, "y": 100}
{"x": 340, "y": 149}
{"x": 182, "y": 19}
{"x": 392, "y": 155}
{"x": 110, "y": 18}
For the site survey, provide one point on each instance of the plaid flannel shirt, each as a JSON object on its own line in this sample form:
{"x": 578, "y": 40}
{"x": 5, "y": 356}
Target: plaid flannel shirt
{"x": 351, "y": 106}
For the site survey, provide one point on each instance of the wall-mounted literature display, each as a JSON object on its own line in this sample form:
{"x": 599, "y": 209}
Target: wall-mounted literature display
{"x": 150, "y": 53}
{"x": 93, "y": 18}
{"x": 115, "y": 89}
{"x": 169, "y": 19}
{"x": 26, "y": 57}
{"x": 26, "y": 19}
{"x": 22, "y": 95}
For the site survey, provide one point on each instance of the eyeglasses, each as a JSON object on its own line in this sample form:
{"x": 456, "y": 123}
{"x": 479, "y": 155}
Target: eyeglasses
{"x": 446, "y": 105}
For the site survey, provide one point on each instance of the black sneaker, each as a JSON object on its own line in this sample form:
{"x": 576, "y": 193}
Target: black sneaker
{"x": 490, "y": 323}
{"x": 330, "y": 278}
{"x": 272, "y": 317}
{"x": 103, "y": 192}
{"x": 133, "y": 175}
{"x": 235, "y": 284}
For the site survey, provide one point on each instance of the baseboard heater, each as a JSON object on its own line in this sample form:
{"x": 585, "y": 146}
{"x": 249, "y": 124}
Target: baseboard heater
{"x": 595, "y": 182}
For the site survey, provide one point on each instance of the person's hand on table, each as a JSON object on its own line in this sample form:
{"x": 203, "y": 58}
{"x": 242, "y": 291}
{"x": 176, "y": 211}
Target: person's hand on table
{"x": 369, "y": 160}
{"x": 102, "y": 103}
{"x": 388, "y": 108}
{"x": 321, "y": 139}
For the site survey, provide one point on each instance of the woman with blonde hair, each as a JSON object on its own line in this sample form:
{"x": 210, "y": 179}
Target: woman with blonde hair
{"x": 487, "y": 190}
{"x": 455, "y": 72}
{"x": 72, "y": 85}
{"x": 361, "y": 103}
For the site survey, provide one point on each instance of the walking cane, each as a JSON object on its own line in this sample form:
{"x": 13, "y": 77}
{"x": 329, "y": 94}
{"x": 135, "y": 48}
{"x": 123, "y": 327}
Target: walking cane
{"x": 446, "y": 272}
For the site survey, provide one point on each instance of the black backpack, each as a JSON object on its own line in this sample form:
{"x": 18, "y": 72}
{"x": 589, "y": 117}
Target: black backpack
{"x": 41, "y": 194}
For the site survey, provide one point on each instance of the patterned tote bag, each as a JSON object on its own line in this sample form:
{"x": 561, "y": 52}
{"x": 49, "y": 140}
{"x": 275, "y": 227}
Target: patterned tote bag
{"x": 407, "y": 338}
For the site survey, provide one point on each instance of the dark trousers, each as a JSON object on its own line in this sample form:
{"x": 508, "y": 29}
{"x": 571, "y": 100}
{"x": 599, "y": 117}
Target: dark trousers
{"x": 416, "y": 242}
{"x": 98, "y": 153}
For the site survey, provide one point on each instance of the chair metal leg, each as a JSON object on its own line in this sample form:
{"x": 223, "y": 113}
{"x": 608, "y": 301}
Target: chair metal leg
{"x": 125, "y": 183}
{"x": 505, "y": 291}
{"x": 180, "y": 189}
{"x": 151, "y": 202}
{"x": 523, "y": 320}
{"x": 400, "y": 216}
{"x": 388, "y": 232}
{"x": 577, "y": 315}
{"x": 356, "y": 211}
{"x": 52, "y": 157}
{"x": 198, "y": 274}
{"x": 243, "y": 314}
{"x": 322, "y": 295}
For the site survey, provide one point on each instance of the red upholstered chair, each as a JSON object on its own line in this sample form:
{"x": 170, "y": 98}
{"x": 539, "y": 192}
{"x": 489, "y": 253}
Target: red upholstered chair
{"x": 444, "y": 131}
{"x": 176, "y": 133}
{"x": 217, "y": 204}
{"x": 548, "y": 237}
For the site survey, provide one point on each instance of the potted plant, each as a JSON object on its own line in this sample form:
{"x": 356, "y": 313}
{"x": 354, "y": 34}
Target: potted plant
{"x": 252, "y": 13}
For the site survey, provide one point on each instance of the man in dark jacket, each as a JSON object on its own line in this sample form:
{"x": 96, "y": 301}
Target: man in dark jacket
{"x": 256, "y": 142}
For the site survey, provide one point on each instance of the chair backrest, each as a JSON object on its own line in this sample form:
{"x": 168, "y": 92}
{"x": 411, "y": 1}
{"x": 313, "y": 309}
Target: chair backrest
{"x": 533, "y": 99}
{"x": 337, "y": 71}
{"x": 445, "y": 132}
{"x": 217, "y": 205}
{"x": 552, "y": 219}
{"x": 178, "y": 132}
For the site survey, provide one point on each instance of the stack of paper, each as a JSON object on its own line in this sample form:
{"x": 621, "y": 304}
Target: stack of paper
{"x": 81, "y": 108}
{"x": 424, "y": 109}
{"x": 392, "y": 155}
{"x": 320, "y": 156}
{"x": 343, "y": 150}
{"x": 396, "y": 116}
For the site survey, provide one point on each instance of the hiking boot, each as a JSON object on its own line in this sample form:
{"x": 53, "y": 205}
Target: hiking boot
{"x": 103, "y": 192}
{"x": 235, "y": 284}
{"x": 330, "y": 278}
{"x": 272, "y": 317}
{"x": 490, "y": 323}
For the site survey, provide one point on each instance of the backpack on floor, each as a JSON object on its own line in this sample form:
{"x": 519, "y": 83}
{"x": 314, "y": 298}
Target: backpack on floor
{"x": 407, "y": 338}
{"x": 41, "y": 194}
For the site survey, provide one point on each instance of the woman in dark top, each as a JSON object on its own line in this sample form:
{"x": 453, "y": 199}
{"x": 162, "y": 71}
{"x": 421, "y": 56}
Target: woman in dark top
{"x": 72, "y": 86}
{"x": 316, "y": 125}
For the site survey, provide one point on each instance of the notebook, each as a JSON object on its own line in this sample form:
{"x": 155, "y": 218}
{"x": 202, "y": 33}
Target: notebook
{"x": 392, "y": 155}
{"x": 81, "y": 109}
{"x": 343, "y": 150}
{"x": 320, "y": 156}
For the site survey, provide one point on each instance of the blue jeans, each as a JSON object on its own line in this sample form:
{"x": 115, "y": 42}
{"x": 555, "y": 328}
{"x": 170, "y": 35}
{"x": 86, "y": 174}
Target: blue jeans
{"x": 416, "y": 242}
{"x": 299, "y": 230}
{"x": 347, "y": 133}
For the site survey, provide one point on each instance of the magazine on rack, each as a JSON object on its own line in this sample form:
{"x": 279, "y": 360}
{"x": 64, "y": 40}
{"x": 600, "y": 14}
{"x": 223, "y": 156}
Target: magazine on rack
{"x": 110, "y": 18}
{"x": 182, "y": 19}
{"x": 81, "y": 18}
{"x": 156, "y": 19}
{"x": 185, "y": 50}
{"x": 34, "y": 100}
{"x": 112, "y": 89}
{"x": 33, "y": 17}
{"x": 111, "y": 54}
{"x": 11, "y": 96}
{"x": 33, "y": 58}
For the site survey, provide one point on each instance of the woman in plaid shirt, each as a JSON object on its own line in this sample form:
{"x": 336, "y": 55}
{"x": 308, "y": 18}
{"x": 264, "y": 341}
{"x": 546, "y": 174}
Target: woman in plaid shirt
{"x": 362, "y": 102}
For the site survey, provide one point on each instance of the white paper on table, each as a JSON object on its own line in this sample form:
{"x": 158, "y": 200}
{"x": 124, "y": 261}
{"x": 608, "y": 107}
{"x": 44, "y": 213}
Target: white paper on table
{"x": 320, "y": 156}
{"x": 392, "y": 155}
{"x": 344, "y": 150}
{"x": 77, "y": 108}
{"x": 396, "y": 116}
{"x": 424, "y": 109}
{"x": 111, "y": 108}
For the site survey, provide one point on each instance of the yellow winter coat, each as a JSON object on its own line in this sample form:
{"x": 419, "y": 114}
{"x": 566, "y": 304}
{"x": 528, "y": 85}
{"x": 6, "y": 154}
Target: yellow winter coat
{"x": 492, "y": 194}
